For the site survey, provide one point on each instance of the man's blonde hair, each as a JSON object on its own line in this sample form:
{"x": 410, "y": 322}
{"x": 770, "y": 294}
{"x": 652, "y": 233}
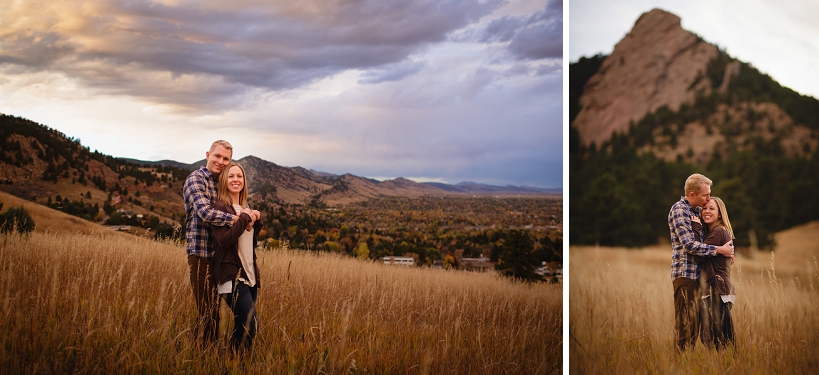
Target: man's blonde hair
{"x": 695, "y": 181}
{"x": 222, "y": 143}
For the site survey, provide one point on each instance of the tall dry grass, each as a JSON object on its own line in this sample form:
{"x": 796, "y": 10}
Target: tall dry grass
{"x": 96, "y": 303}
{"x": 622, "y": 319}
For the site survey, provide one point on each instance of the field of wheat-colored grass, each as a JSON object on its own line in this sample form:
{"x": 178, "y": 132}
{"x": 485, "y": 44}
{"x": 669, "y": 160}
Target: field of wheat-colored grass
{"x": 622, "y": 320}
{"x": 105, "y": 303}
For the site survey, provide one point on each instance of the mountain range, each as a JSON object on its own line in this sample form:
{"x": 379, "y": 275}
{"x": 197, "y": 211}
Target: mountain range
{"x": 300, "y": 185}
{"x": 40, "y": 163}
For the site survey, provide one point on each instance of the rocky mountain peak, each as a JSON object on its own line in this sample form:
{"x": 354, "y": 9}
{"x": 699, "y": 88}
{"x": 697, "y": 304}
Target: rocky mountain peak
{"x": 656, "y": 64}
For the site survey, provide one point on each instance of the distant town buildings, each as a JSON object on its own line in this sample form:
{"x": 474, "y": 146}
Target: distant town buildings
{"x": 481, "y": 264}
{"x": 403, "y": 261}
{"x": 550, "y": 269}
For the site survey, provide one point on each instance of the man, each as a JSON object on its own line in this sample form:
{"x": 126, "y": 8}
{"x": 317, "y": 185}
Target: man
{"x": 685, "y": 244}
{"x": 199, "y": 190}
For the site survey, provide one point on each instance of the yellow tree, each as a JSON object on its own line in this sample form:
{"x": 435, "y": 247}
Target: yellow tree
{"x": 448, "y": 262}
{"x": 363, "y": 250}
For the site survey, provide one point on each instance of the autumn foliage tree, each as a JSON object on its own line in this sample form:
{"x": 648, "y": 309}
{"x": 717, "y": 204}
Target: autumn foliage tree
{"x": 363, "y": 251}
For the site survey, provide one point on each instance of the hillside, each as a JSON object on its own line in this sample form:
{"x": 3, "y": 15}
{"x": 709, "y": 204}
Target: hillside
{"x": 666, "y": 104}
{"x": 797, "y": 252}
{"x": 297, "y": 185}
{"x": 48, "y": 220}
{"x": 41, "y": 164}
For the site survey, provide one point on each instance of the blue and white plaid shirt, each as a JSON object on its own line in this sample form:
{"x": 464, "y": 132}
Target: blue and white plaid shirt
{"x": 683, "y": 242}
{"x": 199, "y": 191}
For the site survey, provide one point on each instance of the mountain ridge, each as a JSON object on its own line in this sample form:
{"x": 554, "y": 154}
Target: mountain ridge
{"x": 458, "y": 187}
{"x": 41, "y": 164}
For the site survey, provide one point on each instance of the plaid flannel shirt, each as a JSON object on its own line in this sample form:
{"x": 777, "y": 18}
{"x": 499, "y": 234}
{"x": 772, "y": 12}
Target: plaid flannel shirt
{"x": 683, "y": 241}
{"x": 199, "y": 191}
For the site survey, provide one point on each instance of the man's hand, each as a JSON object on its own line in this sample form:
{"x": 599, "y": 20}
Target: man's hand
{"x": 727, "y": 250}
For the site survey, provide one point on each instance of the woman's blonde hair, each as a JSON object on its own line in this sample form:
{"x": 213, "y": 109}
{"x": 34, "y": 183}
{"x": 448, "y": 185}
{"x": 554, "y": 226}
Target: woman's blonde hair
{"x": 722, "y": 220}
{"x": 222, "y": 192}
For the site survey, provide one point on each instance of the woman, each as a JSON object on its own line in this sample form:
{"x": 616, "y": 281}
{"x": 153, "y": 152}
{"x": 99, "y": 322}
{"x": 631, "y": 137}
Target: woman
{"x": 718, "y": 298}
{"x": 234, "y": 261}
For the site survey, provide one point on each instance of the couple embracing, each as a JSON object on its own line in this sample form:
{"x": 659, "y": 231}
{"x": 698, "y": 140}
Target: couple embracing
{"x": 702, "y": 254}
{"x": 220, "y": 235}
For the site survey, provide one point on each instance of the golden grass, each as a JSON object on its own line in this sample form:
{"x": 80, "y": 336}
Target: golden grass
{"x": 796, "y": 249}
{"x": 97, "y": 303}
{"x": 622, "y": 320}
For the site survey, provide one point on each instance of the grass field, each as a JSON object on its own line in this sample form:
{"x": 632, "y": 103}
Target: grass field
{"x": 91, "y": 301}
{"x": 622, "y": 320}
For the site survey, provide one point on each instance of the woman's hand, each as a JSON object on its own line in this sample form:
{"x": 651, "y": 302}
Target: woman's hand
{"x": 253, "y": 217}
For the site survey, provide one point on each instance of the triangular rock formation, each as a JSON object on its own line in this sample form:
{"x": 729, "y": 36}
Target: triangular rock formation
{"x": 658, "y": 63}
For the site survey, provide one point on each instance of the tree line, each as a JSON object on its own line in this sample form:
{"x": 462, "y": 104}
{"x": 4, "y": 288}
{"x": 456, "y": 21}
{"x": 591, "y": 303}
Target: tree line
{"x": 427, "y": 228}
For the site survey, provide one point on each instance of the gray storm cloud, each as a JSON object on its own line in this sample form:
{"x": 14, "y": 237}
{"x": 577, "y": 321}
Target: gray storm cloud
{"x": 534, "y": 37}
{"x": 148, "y": 50}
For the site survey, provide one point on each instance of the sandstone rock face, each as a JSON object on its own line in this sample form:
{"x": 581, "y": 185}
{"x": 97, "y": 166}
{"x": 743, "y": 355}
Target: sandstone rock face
{"x": 656, "y": 64}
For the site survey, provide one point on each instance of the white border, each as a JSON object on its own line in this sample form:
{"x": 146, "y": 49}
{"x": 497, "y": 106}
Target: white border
{"x": 566, "y": 228}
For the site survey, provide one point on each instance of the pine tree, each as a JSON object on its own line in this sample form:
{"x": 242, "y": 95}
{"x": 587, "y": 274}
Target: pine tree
{"x": 16, "y": 219}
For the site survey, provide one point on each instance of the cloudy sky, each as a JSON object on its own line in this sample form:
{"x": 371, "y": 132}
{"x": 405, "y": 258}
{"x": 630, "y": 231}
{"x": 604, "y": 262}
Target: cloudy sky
{"x": 780, "y": 38}
{"x": 450, "y": 91}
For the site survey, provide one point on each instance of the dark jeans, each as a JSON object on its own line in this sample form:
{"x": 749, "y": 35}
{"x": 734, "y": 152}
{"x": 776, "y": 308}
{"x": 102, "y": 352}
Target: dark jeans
{"x": 245, "y": 320}
{"x": 717, "y": 324}
{"x": 686, "y": 311}
{"x": 206, "y": 298}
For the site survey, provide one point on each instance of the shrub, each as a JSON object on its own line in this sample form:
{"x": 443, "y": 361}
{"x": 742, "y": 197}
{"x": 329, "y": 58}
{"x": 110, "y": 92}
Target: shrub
{"x": 16, "y": 218}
